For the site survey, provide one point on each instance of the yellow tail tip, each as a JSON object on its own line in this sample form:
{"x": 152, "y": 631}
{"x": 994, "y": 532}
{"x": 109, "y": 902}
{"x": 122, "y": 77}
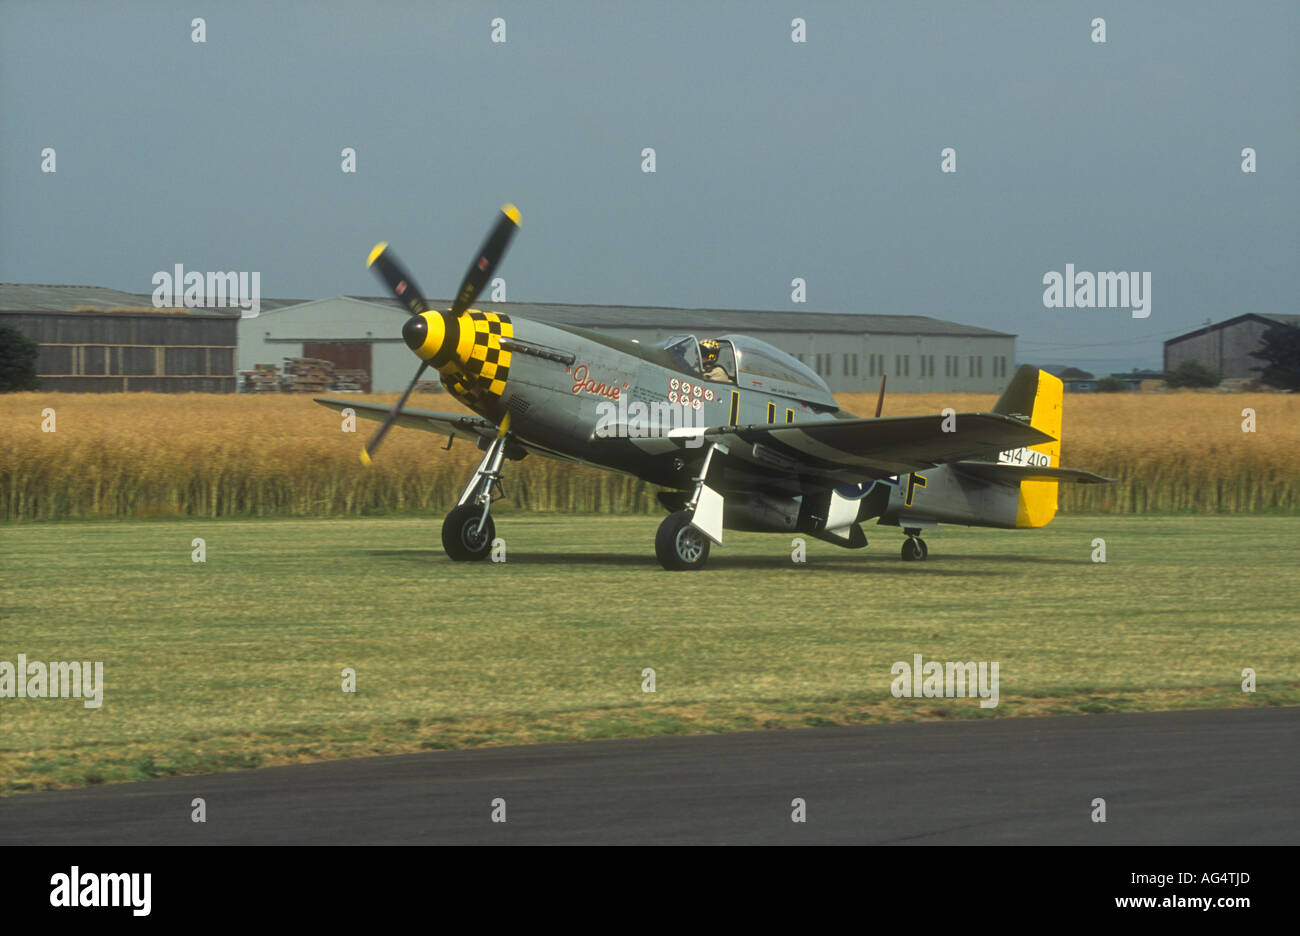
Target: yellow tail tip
{"x": 365, "y": 458}
{"x": 374, "y": 254}
{"x": 511, "y": 212}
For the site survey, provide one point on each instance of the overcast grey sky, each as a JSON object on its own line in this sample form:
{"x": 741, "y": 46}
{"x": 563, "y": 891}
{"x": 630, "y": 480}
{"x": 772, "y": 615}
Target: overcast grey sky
{"x": 775, "y": 159}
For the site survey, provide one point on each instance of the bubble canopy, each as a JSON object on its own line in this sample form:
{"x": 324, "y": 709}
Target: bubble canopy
{"x": 758, "y": 365}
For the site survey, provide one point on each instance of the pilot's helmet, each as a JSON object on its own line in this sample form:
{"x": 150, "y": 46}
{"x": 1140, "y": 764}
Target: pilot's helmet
{"x": 709, "y": 348}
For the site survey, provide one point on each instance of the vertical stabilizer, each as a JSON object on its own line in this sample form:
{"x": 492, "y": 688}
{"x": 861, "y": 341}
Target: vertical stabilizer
{"x": 1035, "y": 396}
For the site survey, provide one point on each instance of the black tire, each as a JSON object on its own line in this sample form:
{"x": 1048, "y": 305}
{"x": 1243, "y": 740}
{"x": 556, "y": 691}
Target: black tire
{"x": 925, "y": 550}
{"x": 679, "y": 546}
{"x": 913, "y": 549}
{"x": 458, "y": 531}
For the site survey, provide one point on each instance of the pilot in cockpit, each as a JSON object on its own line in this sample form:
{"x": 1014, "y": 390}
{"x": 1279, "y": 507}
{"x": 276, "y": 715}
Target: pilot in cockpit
{"x": 713, "y": 369}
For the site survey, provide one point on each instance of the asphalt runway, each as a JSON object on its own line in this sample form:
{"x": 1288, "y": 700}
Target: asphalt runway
{"x": 1195, "y": 777}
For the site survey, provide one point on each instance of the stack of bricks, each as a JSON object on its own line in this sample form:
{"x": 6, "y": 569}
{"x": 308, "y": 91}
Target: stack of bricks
{"x": 349, "y": 380}
{"x": 264, "y": 378}
{"x": 307, "y": 375}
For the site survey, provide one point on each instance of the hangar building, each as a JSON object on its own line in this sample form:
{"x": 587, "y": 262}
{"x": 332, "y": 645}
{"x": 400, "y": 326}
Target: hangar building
{"x": 96, "y": 340}
{"x": 1226, "y": 346}
{"x": 851, "y": 352}
{"x": 100, "y": 340}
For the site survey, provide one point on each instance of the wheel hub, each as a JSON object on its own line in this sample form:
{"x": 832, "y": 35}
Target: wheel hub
{"x": 690, "y": 544}
{"x": 470, "y": 534}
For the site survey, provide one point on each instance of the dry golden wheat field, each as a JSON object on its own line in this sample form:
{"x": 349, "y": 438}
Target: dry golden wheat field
{"x": 158, "y": 455}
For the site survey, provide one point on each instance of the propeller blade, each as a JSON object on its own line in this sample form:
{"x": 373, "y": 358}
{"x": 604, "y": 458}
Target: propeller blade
{"x": 371, "y": 447}
{"x": 397, "y": 280}
{"x": 880, "y": 401}
{"x": 480, "y": 271}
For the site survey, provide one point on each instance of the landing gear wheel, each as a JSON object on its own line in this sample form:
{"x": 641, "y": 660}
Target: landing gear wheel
{"x": 461, "y": 537}
{"x": 914, "y": 548}
{"x": 679, "y": 545}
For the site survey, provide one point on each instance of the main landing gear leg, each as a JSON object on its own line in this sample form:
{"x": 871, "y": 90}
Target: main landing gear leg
{"x": 468, "y": 531}
{"x": 683, "y": 540}
{"x": 914, "y": 548}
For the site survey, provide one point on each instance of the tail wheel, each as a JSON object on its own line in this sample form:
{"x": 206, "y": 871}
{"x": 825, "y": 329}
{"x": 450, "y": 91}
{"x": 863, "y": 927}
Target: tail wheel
{"x": 461, "y": 537}
{"x": 678, "y": 545}
{"x": 914, "y": 549}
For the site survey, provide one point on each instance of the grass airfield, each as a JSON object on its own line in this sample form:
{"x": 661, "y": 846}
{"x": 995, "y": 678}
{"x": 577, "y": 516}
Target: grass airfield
{"x": 237, "y": 662}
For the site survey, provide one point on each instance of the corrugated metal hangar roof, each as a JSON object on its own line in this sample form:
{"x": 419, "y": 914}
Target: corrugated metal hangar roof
{"x": 24, "y": 297}
{"x": 38, "y": 297}
{"x": 1276, "y": 317}
{"x": 35, "y": 297}
{"x": 596, "y": 316}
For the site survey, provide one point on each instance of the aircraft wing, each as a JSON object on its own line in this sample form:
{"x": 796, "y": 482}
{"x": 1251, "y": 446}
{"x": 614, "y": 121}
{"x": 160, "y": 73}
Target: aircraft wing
{"x": 842, "y": 449}
{"x": 461, "y": 425}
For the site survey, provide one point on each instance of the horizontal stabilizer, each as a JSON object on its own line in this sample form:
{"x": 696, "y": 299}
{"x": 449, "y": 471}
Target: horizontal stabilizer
{"x": 1013, "y": 474}
{"x": 854, "y": 448}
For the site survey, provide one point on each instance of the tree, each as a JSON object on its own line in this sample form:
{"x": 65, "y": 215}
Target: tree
{"x": 1280, "y": 352}
{"x": 1111, "y": 385}
{"x": 1074, "y": 373}
{"x": 17, "y": 360}
{"x": 1192, "y": 373}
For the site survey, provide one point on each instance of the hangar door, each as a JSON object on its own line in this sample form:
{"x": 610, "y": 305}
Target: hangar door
{"x": 345, "y": 356}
